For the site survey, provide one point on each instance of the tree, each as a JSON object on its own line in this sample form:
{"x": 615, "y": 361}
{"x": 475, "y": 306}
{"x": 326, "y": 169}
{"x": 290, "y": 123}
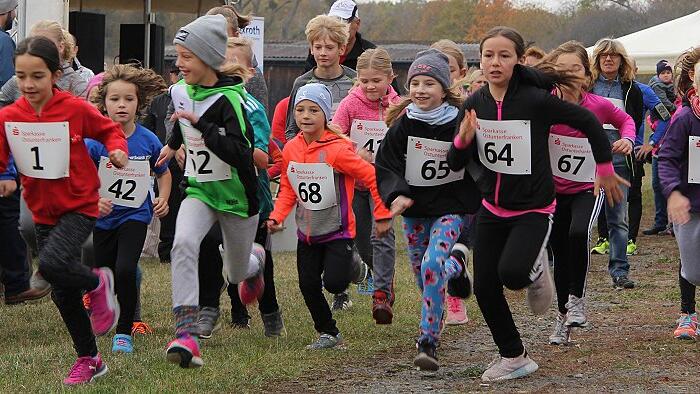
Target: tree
{"x": 487, "y": 14}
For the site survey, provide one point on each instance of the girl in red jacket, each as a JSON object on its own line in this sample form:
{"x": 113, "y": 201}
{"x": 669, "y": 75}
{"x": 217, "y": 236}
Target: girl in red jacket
{"x": 44, "y": 131}
{"x": 319, "y": 168}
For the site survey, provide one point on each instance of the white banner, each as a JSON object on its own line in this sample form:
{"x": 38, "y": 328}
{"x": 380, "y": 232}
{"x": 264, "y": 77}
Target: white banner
{"x": 255, "y": 32}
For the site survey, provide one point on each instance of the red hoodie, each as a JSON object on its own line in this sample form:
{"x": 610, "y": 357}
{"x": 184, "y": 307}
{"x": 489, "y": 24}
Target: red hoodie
{"x": 49, "y": 199}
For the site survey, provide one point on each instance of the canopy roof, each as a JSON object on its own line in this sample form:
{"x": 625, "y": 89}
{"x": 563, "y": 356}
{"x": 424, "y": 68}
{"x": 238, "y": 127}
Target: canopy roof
{"x": 182, "y": 6}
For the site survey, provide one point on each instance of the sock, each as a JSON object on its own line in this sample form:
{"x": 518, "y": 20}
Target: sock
{"x": 185, "y": 318}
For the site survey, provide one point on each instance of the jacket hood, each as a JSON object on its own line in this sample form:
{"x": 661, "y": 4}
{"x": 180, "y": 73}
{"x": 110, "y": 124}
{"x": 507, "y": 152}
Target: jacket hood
{"x": 389, "y": 98}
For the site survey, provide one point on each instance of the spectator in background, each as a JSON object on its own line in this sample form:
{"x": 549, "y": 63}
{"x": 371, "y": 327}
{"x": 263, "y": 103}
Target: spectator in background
{"x": 7, "y": 45}
{"x": 174, "y": 75}
{"x": 83, "y": 71}
{"x": 533, "y": 55}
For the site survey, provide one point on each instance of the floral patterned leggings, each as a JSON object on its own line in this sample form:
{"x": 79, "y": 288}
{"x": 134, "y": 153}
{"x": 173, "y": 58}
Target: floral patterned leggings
{"x": 430, "y": 241}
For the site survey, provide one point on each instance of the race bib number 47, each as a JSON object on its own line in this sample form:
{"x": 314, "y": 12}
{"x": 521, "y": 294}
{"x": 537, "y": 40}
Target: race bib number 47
{"x": 571, "y": 158}
{"x": 41, "y": 150}
{"x": 201, "y": 162}
{"x": 127, "y": 186}
{"x": 504, "y": 146}
{"x": 426, "y": 163}
{"x": 313, "y": 183}
{"x": 693, "y": 159}
{"x": 368, "y": 134}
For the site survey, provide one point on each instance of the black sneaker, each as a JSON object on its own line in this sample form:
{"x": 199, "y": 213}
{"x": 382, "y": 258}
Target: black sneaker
{"x": 622, "y": 282}
{"x": 426, "y": 360}
{"x": 460, "y": 286}
{"x": 273, "y": 324}
{"x": 654, "y": 230}
{"x": 240, "y": 321}
{"x": 341, "y": 301}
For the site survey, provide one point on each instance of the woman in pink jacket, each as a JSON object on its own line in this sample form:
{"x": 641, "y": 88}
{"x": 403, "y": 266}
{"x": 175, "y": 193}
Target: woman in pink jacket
{"x": 574, "y": 172}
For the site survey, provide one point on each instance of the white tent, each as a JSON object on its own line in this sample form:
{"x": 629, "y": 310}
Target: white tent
{"x": 664, "y": 41}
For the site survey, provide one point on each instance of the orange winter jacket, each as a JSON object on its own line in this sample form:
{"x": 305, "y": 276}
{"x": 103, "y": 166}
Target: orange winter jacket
{"x": 338, "y": 221}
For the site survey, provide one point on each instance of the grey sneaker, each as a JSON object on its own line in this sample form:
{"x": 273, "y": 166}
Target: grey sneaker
{"x": 341, "y": 301}
{"x": 273, "y": 324}
{"x": 326, "y": 341}
{"x": 208, "y": 321}
{"x": 576, "y": 317}
{"x": 540, "y": 293}
{"x": 560, "y": 336}
{"x": 503, "y": 368}
{"x": 38, "y": 282}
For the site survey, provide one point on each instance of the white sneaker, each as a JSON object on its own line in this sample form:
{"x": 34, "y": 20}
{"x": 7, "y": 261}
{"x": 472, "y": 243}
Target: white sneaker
{"x": 540, "y": 294}
{"x": 503, "y": 368}
{"x": 560, "y": 336}
{"x": 576, "y": 317}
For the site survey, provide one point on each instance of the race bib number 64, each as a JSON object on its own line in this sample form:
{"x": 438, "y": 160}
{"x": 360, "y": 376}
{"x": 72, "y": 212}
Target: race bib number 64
{"x": 504, "y": 146}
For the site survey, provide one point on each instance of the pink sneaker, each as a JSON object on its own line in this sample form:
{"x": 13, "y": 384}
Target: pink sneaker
{"x": 85, "y": 370}
{"x": 456, "y": 312}
{"x": 104, "y": 307}
{"x": 184, "y": 351}
{"x": 252, "y": 288}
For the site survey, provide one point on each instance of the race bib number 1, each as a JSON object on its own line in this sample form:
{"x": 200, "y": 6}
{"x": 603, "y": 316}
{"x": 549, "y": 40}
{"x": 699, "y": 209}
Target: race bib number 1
{"x": 504, "y": 145}
{"x": 41, "y": 150}
{"x": 126, "y": 186}
{"x": 313, "y": 183}
{"x": 368, "y": 134}
{"x": 201, "y": 162}
{"x": 693, "y": 159}
{"x": 571, "y": 158}
{"x": 426, "y": 163}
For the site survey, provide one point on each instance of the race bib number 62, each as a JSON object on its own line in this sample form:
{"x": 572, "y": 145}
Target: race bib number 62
{"x": 504, "y": 146}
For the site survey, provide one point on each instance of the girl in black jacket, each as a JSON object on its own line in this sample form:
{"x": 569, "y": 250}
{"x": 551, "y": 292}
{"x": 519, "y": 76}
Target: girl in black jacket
{"x": 506, "y": 150}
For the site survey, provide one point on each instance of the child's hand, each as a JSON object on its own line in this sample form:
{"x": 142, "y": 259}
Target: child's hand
{"x": 644, "y": 151}
{"x": 165, "y": 155}
{"x": 611, "y": 185}
{"x": 365, "y": 155}
{"x": 180, "y": 157}
{"x": 7, "y": 187}
{"x": 622, "y": 146}
{"x": 260, "y": 159}
{"x": 467, "y": 129}
{"x": 273, "y": 226}
{"x": 399, "y": 205}
{"x": 118, "y": 158}
{"x": 678, "y": 208}
{"x": 191, "y": 116}
{"x": 160, "y": 207}
{"x": 104, "y": 205}
{"x": 382, "y": 227}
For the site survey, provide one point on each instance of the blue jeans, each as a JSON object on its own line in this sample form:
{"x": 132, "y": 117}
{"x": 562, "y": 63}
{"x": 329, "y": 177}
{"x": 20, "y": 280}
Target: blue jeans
{"x": 618, "y": 230}
{"x": 661, "y": 216}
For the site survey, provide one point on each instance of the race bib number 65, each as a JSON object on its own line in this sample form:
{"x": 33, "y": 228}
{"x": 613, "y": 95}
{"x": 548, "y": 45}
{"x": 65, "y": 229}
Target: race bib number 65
{"x": 426, "y": 163}
{"x": 41, "y": 150}
{"x": 504, "y": 146}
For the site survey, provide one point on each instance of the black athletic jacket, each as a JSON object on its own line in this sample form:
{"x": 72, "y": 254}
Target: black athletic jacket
{"x": 528, "y": 98}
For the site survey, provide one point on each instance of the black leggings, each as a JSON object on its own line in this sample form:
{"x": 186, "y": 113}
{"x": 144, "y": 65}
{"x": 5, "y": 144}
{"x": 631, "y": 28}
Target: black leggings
{"x": 59, "y": 263}
{"x": 687, "y": 294}
{"x": 573, "y": 220}
{"x": 507, "y": 252}
{"x": 120, "y": 249}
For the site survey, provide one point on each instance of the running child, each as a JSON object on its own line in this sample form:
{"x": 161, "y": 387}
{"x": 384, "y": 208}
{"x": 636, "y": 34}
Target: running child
{"x": 125, "y": 203}
{"x": 45, "y": 130}
{"x": 319, "y": 171}
{"x": 415, "y": 181}
{"x": 508, "y": 145}
{"x": 361, "y": 116}
{"x": 221, "y": 179}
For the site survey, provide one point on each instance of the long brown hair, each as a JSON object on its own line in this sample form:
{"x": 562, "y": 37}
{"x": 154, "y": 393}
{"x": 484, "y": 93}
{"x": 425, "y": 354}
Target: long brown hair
{"x": 148, "y": 84}
{"x": 575, "y": 48}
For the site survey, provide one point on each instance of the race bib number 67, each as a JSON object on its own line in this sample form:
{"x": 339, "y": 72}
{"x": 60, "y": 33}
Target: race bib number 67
{"x": 504, "y": 146}
{"x": 571, "y": 158}
{"x": 41, "y": 150}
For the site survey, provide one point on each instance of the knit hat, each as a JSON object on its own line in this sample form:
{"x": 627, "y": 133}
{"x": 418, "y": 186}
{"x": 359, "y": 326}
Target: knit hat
{"x": 344, "y": 9}
{"x": 7, "y": 5}
{"x": 206, "y": 37}
{"x": 663, "y": 65}
{"x": 317, "y": 93}
{"x": 432, "y": 63}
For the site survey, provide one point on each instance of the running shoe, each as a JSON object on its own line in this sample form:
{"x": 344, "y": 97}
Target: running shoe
{"x": 426, "y": 360}
{"x": 184, "y": 351}
{"x": 456, "y": 311}
{"x": 560, "y": 335}
{"x": 208, "y": 322}
{"x": 122, "y": 343}
{"x": 85, "y": 370}
{"x": 366, "y": 287}
{"x": 86, "y": 302}
{"x": 540, "y": 293}
{"x": 140, "y": 328}
{"x": 382, "y": 312}
{"x": 576, "y": 316}
{"x": 273, "y": 324}
{"x": 602, "y": 246}
{"x": 253, "y": 288}
{"x": 623, "y": 282}
{"x": 326, "y": 341}
{"x": 242, "y": 322}
{"x": 654, "y": 231}
{"x": 460, "y": 286}
{"x": 631, "y": 247}
{"x": 687, "y": 327}
{"x": 341, "y": 301}
{"x": 504, "y": 368}
{"x": 104, "y": 307}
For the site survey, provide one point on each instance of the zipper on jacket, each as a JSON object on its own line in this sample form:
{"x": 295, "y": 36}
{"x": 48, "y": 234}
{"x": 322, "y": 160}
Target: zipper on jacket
{"x": 499, "y": 106}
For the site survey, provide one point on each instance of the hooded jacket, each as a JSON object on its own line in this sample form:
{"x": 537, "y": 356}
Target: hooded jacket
{"x": 357, "y": 106}
{"x": 49, "y": 199}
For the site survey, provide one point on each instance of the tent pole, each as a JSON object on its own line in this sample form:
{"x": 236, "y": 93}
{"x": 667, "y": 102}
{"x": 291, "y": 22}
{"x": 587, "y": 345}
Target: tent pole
{"x": 147, "y": 34}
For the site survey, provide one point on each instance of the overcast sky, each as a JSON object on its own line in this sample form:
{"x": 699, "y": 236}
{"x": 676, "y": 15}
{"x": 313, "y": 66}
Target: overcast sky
{"x": 551, "y": 4}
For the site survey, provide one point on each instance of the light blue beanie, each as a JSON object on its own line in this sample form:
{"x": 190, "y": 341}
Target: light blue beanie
{"x": 319, "y": 94}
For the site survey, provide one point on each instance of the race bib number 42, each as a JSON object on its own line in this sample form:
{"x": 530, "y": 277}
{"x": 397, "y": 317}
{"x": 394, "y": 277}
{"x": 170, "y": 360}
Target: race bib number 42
{"x": 41, "y": 150}
{"x": 126, "y": 186}
{"x": 201, "y": 162}
{"x": 313, "y": 183}
{"x": 426, "y": 163}
{"x": 368, "y": 134}
{"x": 693, "y": 159}
{"x": 571, "y": 158}
{"x": 504, "y": 145}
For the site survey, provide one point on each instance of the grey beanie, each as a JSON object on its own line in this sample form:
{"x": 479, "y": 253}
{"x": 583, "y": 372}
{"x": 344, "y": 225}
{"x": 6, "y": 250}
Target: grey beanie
{"x": 432, "y": 63}
{"x": 7, "y": 6}
{"x": 206, "y": 37}
{"x": 319, "y": 94}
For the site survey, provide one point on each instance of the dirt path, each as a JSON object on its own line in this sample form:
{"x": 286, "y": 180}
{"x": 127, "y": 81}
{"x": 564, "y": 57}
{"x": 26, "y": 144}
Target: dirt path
{"x": 629, "y": 346}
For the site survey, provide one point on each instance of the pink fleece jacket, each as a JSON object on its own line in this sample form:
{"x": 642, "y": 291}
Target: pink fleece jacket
{"x": 606, "y": 112}
{"x": 357, "y": 106}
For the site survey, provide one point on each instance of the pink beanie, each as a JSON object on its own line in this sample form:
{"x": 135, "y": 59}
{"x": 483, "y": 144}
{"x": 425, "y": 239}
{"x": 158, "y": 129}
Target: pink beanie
{"x": 93, "y": 83}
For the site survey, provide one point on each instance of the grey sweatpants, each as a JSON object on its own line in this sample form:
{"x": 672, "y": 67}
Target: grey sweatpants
{"x": 688, "y": 238}
{"x": 194, "y": 220}
{"x": 378, "y": 253}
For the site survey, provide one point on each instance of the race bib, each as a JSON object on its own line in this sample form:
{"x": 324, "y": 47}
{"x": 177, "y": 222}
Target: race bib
{"x": 368, "y": 134}
{"x": 40, "y": 150}
{"x": 313, "y": 183}
{"x": 619, "y": 104}
{"x": 571, "y": 158}
{"x": 127, "y": 186}
{"x": 426, "y": 163}
{"x": 201, "y": 162}
{"x": 504, "y": 145}
{"x": 693, "y": 159}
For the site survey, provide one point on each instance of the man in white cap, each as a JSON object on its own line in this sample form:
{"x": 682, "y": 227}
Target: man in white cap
{"x": 7, "y": 46}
